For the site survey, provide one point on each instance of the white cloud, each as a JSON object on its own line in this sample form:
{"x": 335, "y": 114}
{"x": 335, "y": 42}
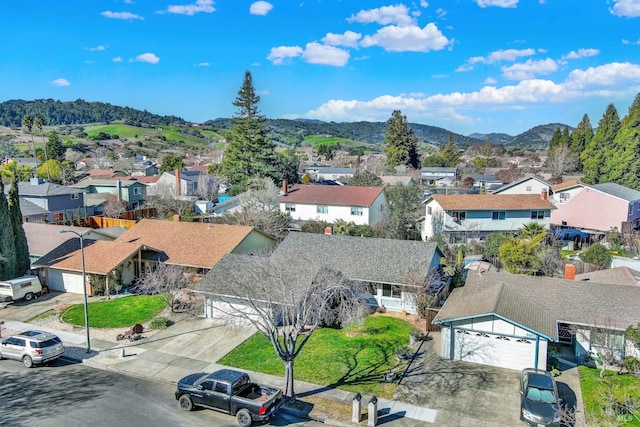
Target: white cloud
{"x": 260, "y": 8}
{"x": 120, "y": 15}
{"x": 407, "y": 39}
{"x": 440, "y": 12}
{"x": 316, "y": 53}
{"x": 279, "y": 54}
{"x": 205, "y": 6}
{"x": 581, "y": 53}
{"x": 490, "y": 81}
{"x": 497, "y": 3}
{"x": 600, "y": 82}
{"x": 384, "y": 15}
{"x": 61, "y": 82}
{"x": 148, "y": 57}
{"x": 502, "y": 55}
{"x": 423, "y": 3}
{"x": 96, "y": 49}
{"x": 348, "y": 38}
{"x": 117, "y": 59}
{"x": 627, "y": 8}
{"x": 529, "y": 69}
{"x": 202, "y": 64}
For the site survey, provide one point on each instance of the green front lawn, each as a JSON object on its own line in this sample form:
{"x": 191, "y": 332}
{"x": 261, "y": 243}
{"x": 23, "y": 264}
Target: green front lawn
{"x": 352, "y": 359}
{"x": 116, "y": 313}
{"x": 594, "y": 388}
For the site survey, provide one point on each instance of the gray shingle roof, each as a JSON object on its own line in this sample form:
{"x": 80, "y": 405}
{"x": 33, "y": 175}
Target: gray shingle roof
{"x": 617, "y": 190}
{"x": 300, "y": 256}
{"x": 44, "y": 189}
{"x": 536, "y": 301}
{"x": 28, "y": 208}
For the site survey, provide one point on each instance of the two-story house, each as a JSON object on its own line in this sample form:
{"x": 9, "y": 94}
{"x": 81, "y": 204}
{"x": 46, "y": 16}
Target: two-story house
{"x": 130, "y": 190}
{"x": 465, "y": 217}
{"x": 599, "y": 207}
{"x": 360, "y": 205}
{"x": 564, "y": 191}
{"x": 48, "y": 202}
{"x": 181, "y": 183}
{"x": 528, "y": 184}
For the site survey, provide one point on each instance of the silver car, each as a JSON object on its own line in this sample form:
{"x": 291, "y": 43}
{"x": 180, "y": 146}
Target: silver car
{"x": 32, "y": 348}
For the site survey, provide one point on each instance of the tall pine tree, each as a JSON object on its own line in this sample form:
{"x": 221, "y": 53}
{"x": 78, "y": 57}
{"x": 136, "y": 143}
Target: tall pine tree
{"x": 622, "y": 165}
{"x": 250, "y": 151}
{"x": 580, "y": 138}
{"x": 599, "y": 148}
{"x": 22, "y": 262}
{"x": 7, "y": 246}
{"x": 401, "y": 143}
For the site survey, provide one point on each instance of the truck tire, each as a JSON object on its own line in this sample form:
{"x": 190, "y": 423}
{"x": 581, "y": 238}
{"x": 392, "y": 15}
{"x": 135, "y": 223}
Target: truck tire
{"x": 243, "y": 417}
{"x": 28, "y": 296}
{"x": 186, "y": 404}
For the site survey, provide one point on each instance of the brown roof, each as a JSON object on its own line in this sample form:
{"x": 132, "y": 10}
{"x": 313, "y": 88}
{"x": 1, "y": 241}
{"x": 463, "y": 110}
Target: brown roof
{"x": 613, "y": 276}
{"x": 148, "y": 179}
{"x": 491, "y": 201}
{"x": 100, "y": 257}
{"x": 568, "y": 184}
{"x": 191, "y": 244}
{"x": 341, "y": 195}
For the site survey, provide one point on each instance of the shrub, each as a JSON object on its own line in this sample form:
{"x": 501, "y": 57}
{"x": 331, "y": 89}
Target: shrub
{"x": 160, "y": 323}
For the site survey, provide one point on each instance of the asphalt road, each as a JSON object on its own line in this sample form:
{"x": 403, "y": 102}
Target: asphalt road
{"x": 69, "y": 394}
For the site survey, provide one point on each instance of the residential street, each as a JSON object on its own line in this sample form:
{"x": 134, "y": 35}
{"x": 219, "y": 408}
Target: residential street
{"x": 71, "y": 394}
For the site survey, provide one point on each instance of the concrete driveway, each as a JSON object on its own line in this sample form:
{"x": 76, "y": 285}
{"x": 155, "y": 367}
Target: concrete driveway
{"x": 464, "y": 394}
{"x": 22, "y": 310}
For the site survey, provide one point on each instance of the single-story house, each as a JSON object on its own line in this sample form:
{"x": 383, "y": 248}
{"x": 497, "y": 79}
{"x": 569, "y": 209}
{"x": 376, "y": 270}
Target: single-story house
{"x": 509, "y": 320}
{"x": 385, "y": 265}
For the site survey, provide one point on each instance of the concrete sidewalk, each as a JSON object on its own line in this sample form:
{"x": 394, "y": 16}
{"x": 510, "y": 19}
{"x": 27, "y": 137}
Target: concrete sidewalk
{"x": 190, "y": 346}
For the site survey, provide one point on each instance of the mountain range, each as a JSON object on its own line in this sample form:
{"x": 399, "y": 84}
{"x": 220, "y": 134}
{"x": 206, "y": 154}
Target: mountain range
{"x": 57, "y": 113}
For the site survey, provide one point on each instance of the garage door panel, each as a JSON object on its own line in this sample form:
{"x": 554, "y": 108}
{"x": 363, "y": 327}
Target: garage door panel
{"x": 495, "y": 350}
{"x": 63, "y": 281}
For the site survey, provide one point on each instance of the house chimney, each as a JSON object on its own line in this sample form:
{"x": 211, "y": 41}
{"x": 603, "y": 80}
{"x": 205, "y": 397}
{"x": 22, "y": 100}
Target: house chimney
{"x": 285, "y": 187}
{"x": 177, "y": 182}
{"x": 544, "y": 195}
{"x": 569, "y": 271}
{"x": 328, "y": 230}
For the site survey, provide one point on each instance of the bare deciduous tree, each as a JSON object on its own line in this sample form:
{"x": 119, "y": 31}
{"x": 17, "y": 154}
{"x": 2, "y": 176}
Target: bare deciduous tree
{"x": 607, "y": 342}
{"x": 207, "y": 187}
{"x": 166, "y": 202}
{"x": 114, "y": 207}
{"x": 285, "y": 303}
{"x": 169, "y": 281}
{"x": 560, "y": 160}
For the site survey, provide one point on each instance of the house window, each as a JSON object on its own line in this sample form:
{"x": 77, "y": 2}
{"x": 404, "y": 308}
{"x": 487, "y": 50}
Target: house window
{"x": 459, "y": 215}
{"x": 137, "y": 191}
{"x": 322, "y": 209}
{"x": 537, "y": 214}
{"x": 498, "y": 215}
{"x": 390, "y": 291}
{"x": 429, "y": 210}
{"x": 58, "y": 216}
{"x": 564, "y": 196}
{"x": 289, "y": 207}
{"x": 75, "y": 196}
{"x": 528, "y": 188}
{"x": 356, "y": 211}
{"x": 605, "y": 338}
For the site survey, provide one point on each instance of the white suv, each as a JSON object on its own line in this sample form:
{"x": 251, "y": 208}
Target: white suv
{"x": 32, "y": 347}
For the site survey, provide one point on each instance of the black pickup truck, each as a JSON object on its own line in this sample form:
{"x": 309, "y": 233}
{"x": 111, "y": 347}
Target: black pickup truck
{"x": 231, "y": 392}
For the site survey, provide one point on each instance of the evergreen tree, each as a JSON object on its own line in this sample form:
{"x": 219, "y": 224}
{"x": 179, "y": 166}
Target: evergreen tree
{"x": 401, "y": 143}
{"x": 250, "y": 151}
{"x": 449, "y": 153}
{"x": 599, "y": 148}
{"x": 171, "y": 163}
{"x": 7, "y": 246}
{"x": 22, "y": 262}
{"x": 580, "y": 138}
{"x": 53, "y": 148}
{"x": 622, "y": 165}
{"x": 556, "y": 139}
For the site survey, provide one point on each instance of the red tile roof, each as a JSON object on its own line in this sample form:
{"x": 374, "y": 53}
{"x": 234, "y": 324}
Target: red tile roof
{"x": 337, "y": 195}
{"x": 191, "y": 244}
{"x": 491, "y": 201}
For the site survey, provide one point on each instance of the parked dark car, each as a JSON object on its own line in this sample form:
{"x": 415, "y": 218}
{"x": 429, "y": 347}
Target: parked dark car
{"x": 539, "y": 400}
{"x": 231, "y": 392}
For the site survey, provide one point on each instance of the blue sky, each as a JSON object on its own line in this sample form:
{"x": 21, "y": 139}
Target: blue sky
{"x": 464, "y": 65}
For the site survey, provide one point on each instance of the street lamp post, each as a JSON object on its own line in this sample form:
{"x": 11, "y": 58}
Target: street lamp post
{"x": 84, "y": 284}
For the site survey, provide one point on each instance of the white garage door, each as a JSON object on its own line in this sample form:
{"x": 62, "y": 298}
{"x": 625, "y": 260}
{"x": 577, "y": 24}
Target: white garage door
{"x": 64, "y": 281}
{"x": 219, "y": 310}
{"x": 495, "y": 350}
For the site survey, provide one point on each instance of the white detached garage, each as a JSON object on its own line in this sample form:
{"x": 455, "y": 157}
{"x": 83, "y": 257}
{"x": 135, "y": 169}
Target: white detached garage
{"x": 496, "y": 326}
